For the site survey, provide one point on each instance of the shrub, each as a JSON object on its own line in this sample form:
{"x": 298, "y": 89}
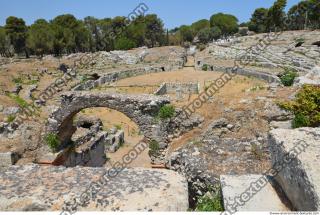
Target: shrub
{"x": 166, "y": 112}
{"x": 288, "y": 77}
{"x": 52, "y": 141}
{"x": 306, "y": 107}
{"x": 300, "y": 120}
{"x": 205, "y": 67}
{"x": 124, "y": 44}
{"x": 154, "y": 148}
{"x": 210, "y": 202}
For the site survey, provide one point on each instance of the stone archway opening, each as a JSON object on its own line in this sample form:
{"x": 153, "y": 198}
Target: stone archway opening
{"x": 140, "y": 109}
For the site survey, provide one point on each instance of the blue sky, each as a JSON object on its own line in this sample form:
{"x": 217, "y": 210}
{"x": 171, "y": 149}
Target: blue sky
{"x": 172, "y": 12}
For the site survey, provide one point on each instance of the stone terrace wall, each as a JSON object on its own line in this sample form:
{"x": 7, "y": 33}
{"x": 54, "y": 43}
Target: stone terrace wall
{"x": 240, "y": 71}
{"x": 121, "y": 74}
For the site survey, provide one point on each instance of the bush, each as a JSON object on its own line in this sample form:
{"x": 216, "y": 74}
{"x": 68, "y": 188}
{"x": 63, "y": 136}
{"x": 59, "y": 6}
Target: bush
{"x": 300, "y": 120}
{"x": 166, "y": 112}
{"x": 306, "y": 107}
{"x": 210, "y": 202}
{"x": 124, "y": 44}
{"x": 153, "y": 148}
{"x": 205, "y": 67}
{"x": 287, "y": 78}
{"x": 52, "y": 141}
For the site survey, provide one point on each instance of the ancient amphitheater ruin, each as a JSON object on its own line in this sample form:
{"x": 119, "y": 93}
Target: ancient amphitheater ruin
{"x": 157, "y": 129}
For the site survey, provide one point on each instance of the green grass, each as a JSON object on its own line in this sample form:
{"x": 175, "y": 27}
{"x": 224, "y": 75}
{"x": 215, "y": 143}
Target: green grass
{"x": 20, "y": 101}
{"x": 52, "y": 141}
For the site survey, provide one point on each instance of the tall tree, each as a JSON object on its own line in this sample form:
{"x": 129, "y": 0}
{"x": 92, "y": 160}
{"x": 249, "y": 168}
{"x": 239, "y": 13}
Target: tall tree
{"x": 199, "y": 25}
{"x": 5, "y": 46}
{"x": 258, "y": 21}
{"x": 154, "y": 30}
{"x": 314, "y": 14}
{"x": 276, "y": 15}
{"x": 186, "y": 33}
{"x": 107, "y": 35}
{"x": 70, "y": 34}
{"x": 228, "y": 24}
{"x": 92, "y": 24}
{"x": 17, "y": 32}
{"x": 40, "y": 37}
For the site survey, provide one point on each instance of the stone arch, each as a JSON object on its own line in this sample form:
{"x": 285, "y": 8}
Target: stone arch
{"x": 140, "y": 108}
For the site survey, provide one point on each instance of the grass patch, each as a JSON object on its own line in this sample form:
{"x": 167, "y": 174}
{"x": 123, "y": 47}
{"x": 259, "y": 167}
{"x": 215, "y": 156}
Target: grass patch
{"x": 52, "y": 141}
{"x": 305, "y": 107}
{"x": 287, "y": 78}
{"x": 154, "y": 148}
{"x": 166, "y": 112}
{"x": 20, "y": 101}
{"x": 118, "y": 127}
{"x": 11, "y": 118}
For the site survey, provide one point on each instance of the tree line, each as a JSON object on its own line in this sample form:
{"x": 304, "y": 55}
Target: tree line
{"x": 304, "y": 15}
{"x": 65, "y": 34}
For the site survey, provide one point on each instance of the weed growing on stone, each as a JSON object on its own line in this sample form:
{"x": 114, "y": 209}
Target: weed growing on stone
{"x": 52, "y": 141}
{"x": 166, "y": 112}
{"x": 287, "y": 78}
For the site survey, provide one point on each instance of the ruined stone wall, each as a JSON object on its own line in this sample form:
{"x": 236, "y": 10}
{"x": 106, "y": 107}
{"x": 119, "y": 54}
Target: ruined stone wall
{"x": 240, "y": 71}
{"x": 92, "y": 154}
{"x": 122, "y": 74}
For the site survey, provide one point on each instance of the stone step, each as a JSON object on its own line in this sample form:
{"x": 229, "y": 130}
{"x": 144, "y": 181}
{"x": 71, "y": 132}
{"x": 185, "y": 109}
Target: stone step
{"x": 249, "y": 193}
{"x": 34, "y": 187}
